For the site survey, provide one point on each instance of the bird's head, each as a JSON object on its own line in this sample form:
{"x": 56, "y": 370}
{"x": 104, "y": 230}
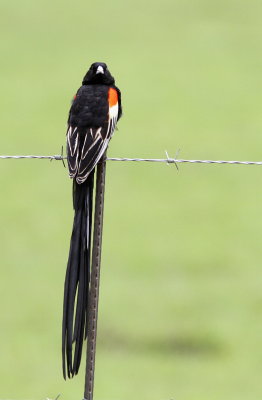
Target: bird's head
{"x": 98, "y": 74}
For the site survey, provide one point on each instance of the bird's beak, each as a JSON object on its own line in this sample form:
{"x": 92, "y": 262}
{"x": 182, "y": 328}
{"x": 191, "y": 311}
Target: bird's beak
{"x": 100, "y": 70}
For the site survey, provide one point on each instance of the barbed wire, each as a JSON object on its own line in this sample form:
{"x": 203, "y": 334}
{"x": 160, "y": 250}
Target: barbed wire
{"x": 181, "y": 160}
{"x": 55, "y": 157}
{"x": 167, "y": 160}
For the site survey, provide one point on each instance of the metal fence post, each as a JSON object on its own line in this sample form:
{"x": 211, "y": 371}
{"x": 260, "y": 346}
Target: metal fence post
{"x": 95, "y": 279}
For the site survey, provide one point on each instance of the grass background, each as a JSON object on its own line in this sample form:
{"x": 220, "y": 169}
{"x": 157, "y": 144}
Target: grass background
{"x": 181, "y": 300}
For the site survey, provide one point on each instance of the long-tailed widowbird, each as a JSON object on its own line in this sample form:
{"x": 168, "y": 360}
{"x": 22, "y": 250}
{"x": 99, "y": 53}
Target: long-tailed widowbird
{"x": 93, "y": 116}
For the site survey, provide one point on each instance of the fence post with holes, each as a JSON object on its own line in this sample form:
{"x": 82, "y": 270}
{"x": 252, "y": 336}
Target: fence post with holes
{"x": 93, "y": 295}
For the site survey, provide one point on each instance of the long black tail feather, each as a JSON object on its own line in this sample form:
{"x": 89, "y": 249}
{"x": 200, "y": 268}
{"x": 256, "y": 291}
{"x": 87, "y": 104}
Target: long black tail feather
{"x": 74, "y": 327}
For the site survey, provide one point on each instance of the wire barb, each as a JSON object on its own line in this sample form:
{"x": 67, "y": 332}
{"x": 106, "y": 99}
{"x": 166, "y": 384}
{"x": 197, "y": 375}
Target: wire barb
{"x": 171, "y": 160}
{"x": 176, "y": 155}
{"x": 167, "y": 158}
{"x": 62, "y": 156}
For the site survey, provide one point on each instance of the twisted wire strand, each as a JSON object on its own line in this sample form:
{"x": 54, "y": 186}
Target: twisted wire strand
{"x": 177, "y": 160}
{"x": 55, "y": 157}
{"x": 167, "y": 160}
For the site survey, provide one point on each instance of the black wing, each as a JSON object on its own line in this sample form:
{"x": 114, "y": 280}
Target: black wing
{"x": 84, "y": 149}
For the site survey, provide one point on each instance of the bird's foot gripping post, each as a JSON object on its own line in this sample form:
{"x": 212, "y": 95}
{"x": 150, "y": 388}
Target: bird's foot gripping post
{"x": 93, "y": 294}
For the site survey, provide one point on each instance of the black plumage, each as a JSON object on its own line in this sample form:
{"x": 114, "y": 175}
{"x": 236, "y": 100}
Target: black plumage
{"x": 91, "y": 123}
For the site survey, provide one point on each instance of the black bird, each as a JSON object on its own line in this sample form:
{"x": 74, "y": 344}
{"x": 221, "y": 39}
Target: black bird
{"x": 93, "y": 116}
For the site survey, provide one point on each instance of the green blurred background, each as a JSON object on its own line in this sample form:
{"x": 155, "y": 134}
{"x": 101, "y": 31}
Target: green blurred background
{"x": 181, "y": 300}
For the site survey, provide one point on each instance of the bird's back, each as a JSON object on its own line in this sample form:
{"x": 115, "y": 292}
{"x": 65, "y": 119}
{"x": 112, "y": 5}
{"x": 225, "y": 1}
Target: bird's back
{"x": 90, "y": 107}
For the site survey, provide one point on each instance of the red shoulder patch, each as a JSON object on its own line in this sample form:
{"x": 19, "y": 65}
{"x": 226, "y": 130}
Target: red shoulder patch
{"x": 112, "y": 97}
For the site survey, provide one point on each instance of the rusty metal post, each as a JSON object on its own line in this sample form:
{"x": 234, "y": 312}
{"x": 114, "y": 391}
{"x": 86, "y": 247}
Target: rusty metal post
{"x": 93, "y": 295}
